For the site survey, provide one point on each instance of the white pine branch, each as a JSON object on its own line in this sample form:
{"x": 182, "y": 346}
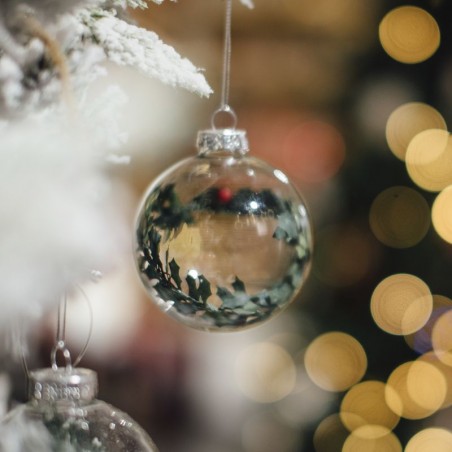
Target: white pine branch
{"x": 128, "y": 45}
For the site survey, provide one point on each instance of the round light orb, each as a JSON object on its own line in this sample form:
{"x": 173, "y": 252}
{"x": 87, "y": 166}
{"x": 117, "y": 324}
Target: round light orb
{"x": 223, "y": 241}
{"x": 409, "y": 34}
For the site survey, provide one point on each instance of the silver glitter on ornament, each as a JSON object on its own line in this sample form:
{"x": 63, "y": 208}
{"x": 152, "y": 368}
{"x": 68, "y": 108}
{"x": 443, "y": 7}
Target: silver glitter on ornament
{"x": 63, "y": 415}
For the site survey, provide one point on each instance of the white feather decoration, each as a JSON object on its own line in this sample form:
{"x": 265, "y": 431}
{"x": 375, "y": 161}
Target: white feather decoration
{"x": 58, "y": 219}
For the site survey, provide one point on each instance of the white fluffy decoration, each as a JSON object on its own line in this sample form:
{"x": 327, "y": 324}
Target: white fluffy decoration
{"x": 128, "y": 45}
{"x": 18, "y": 434}
{"x": 58, "y": 219}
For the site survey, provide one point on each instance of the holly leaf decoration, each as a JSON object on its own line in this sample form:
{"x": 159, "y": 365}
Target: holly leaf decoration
{"x": 238, "y": 285}
{"x": 168, "y": 211}
{"x": 175, "y": 276}
{"x": 287, "y": 229}
{"x": 204, "y": 289}
{"x": 224, "y": 293}
{"x": 201, "y": 291}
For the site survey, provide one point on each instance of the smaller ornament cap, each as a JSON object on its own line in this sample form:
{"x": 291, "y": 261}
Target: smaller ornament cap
{"x": 215, "y": 140}
{"x": 64, "y": 384}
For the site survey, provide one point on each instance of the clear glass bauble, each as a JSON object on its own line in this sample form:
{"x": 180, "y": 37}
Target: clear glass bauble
{"x": 223, "y": 241}
{"x": 63, "y": 415}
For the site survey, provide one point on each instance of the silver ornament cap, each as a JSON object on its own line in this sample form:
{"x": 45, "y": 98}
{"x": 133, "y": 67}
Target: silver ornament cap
{"x": 217, "y": 140}
{"x": 64, "y": 384}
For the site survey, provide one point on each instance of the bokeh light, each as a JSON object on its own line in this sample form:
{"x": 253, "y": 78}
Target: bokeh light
{"x": 309, "y": 151}
{"x": 442, "y": 214}
{"x": 409, "y": 34}
{"x": 365, "y": 405}
{"x": 335, "y": 361}
{"x": 345, "y": 255}
{"x": 442, "y": 338}
{"x": 429, "y": 159}
{"x": 330, "y": 434}
{"x": 432, "y": 359}
{"x": 421, "y": 340}
{"x": 265, "y": 372}
{"x": 401, "y": 304}
{"x": 415, "y": 390}
{"x": 306, "y": 402}
{"x": 430, "y": 440}
{"x": 399, "y": 217}
{"x": 406, "y": 121}
{"x": 314, "y": 150}
{"x": 359, "y": 442}
{"x": 377, "y": 100}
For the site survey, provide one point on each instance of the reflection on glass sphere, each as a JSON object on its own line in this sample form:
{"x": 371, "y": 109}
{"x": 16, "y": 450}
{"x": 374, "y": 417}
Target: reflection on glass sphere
{"x": 223, "y": 241}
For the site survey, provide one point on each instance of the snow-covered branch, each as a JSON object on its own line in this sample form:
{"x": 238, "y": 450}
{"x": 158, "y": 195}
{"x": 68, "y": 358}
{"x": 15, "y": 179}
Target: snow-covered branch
{"x": 129, "y": 45}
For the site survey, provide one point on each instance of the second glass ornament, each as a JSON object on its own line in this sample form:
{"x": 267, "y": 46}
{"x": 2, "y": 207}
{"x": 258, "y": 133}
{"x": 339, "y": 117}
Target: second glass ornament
{"x": 223, "y": 240}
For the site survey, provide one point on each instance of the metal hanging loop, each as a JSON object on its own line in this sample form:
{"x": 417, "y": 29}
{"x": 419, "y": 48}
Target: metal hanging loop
{"x": 225, "y": 111}
{"x": 60, "y": 341}
{"x": 60, "y": 346}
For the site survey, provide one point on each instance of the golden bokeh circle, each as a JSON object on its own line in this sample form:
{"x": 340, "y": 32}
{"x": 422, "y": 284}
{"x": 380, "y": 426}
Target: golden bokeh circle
{"x": 415, "y": 390}
{"x": 399, "y": 217}
{"x": 433, "y": 359}
{"x": 401, "y": 304}
{"x": 409, "y": 34}
{"x": 421, "y": 340}
{"x": 442, "y": 338}
{"x": 429, "y": 159}
{"x": 358, "y": 442}
{"x": 406, "y": 121}
{"x": 430, "y": 440}
{"x": 365, "y": 405}
{"x": 265, "y": 372}
{"x": 335, "y": 361}
{"x": 442, "y": 214}
{"x": 330, "y": 435}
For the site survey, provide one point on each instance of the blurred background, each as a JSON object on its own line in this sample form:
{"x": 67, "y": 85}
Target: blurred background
{"x": 352, "y": 100}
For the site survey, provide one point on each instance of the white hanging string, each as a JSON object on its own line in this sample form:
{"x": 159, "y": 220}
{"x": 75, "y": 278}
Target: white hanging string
{"x": 60, "y": 341}
{"x": 226, "y": 57}
{"x": 90, "y": 330}
{"x": 60, "y": 344}
{"x": 226, "y": 76}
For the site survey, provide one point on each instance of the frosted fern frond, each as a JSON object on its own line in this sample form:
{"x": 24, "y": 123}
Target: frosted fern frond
{"x": 248, "y": 3}
{"x": 142, "y": 4}
{"x": 128, "y": 45}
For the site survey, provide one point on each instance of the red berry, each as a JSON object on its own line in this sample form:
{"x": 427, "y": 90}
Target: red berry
{"x": 224, "y": 195}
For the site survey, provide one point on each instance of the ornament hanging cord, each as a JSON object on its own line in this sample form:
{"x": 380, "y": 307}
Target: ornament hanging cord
{"x": 60, "y": 343}
{"x": 224, "y": 106}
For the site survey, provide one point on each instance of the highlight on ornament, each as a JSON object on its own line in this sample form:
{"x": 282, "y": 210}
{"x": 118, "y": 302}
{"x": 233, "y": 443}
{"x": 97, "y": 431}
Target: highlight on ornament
{"x": 223, "y": 241}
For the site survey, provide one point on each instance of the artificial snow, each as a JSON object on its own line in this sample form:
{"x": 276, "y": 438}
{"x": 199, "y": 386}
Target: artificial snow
{"x": 129, "y": 45}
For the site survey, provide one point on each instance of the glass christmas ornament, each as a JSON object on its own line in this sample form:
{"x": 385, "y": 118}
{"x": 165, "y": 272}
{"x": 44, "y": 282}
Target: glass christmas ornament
{"x": 223, "y": 240}
{"x": 63, "y": 415}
